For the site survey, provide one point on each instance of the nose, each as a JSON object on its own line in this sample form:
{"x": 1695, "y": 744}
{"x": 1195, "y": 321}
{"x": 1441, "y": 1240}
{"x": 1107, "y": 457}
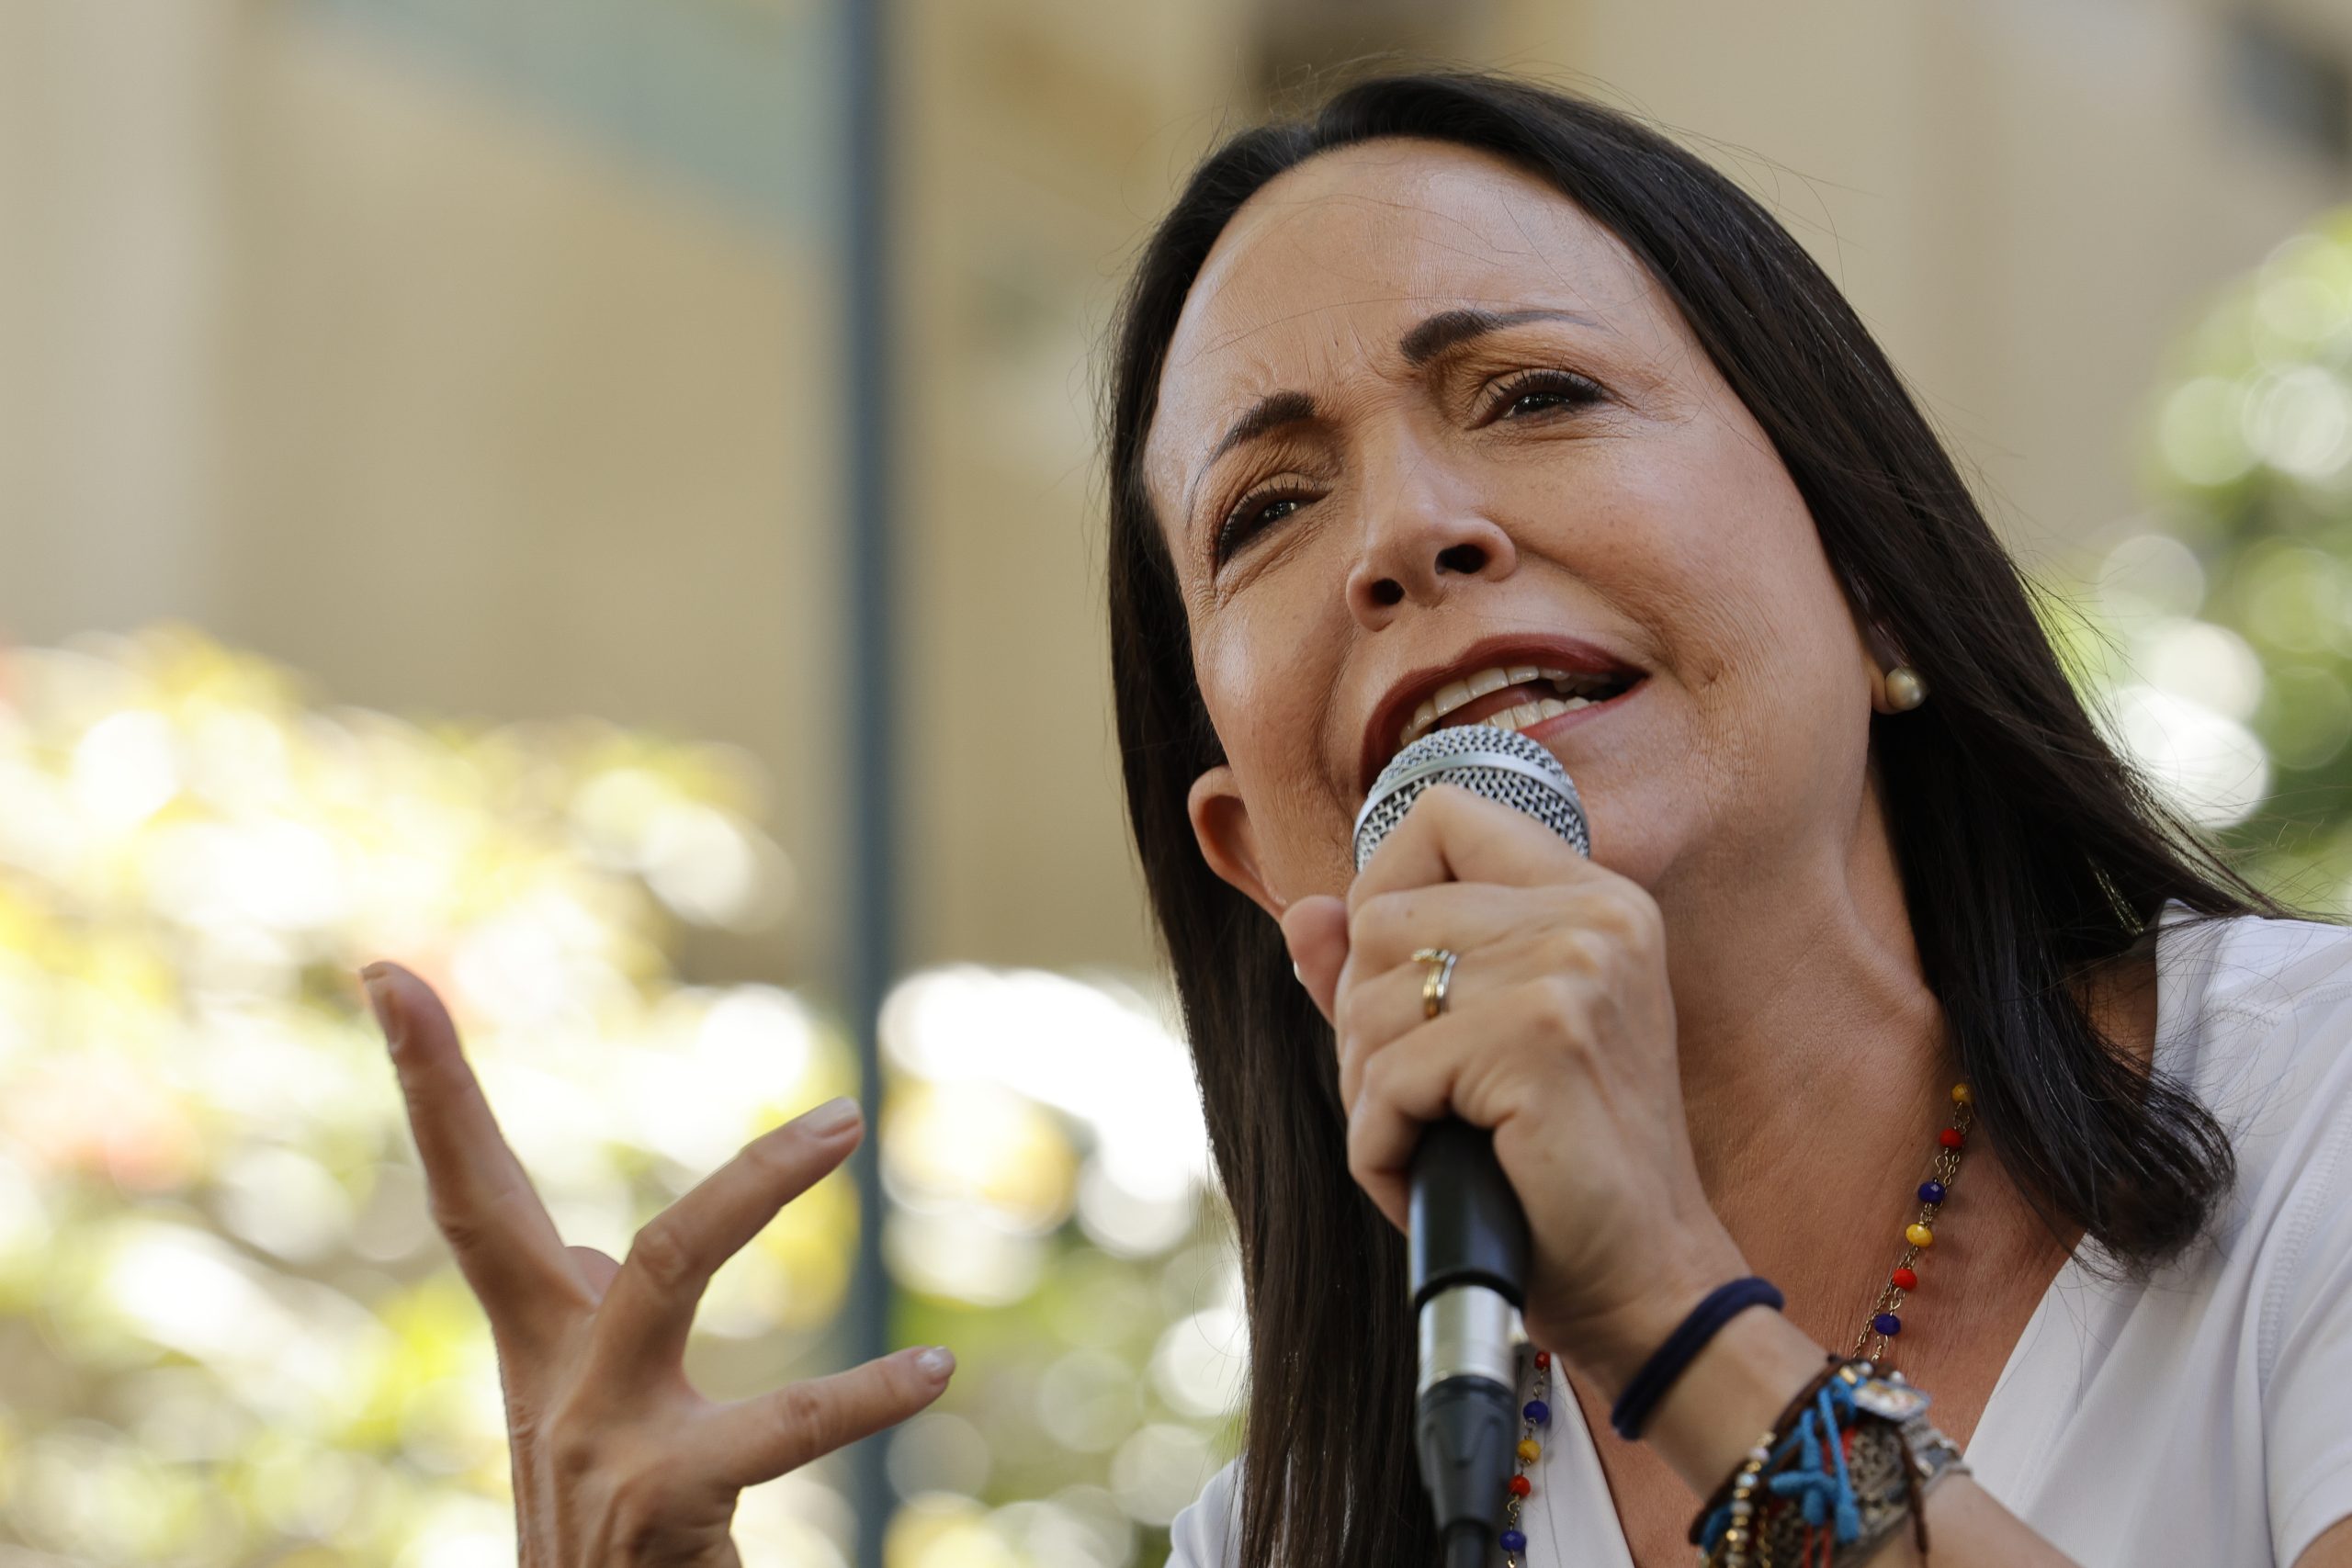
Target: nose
{"x": 1424, "y": 538}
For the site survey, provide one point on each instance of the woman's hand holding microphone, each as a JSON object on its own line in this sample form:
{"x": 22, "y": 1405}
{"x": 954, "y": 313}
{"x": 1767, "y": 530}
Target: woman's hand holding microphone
{"x": 616, "y": 1458}
{"x": 1559, "y": 1036}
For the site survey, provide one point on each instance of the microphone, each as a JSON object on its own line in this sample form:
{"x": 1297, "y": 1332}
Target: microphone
{"x": 1467, "y": 1251}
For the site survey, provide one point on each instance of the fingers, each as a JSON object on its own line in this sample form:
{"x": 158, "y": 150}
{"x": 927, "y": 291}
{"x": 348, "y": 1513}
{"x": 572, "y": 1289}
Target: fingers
{"x": 1400, "y": 1091}
{"x": 1451, "y": 835}
{"x": 1386, "y": 930}
{"x": 596, "y": 1267}
{"x": 1499, "y": 936}
{"x": 1380, "y": 1010}
{"x": 484, "y": 1205}
{"x": 758, "y": 1439}
{"x": 648, "y": 1308}
{"x": 1316, "y": 929}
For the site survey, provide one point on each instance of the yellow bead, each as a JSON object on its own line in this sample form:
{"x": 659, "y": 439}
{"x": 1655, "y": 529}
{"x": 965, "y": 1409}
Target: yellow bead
{"x": 1962, "y": 1095}
{"x": 1530, "y": 1450}
{"x": 1919, "y": 1235}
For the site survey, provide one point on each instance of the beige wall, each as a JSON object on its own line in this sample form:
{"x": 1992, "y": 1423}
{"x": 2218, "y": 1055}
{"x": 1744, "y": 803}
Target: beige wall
{"x": 340, "y": 356}
{"x": 521, "y": 430}
{"x": 111, "y": 260}
{"x": 347, "y": 358}
{"x": 1042, "y": 140}
{"x": 2025, "y": 199}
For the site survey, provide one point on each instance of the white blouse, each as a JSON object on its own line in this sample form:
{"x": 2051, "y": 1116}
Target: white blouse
{"x": 2203, "y": 1418}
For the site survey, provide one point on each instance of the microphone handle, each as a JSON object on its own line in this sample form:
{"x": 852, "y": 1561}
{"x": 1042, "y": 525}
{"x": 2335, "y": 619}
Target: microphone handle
{"x": 1467, "y": 1258}
{"x": 1467, "y": 1225}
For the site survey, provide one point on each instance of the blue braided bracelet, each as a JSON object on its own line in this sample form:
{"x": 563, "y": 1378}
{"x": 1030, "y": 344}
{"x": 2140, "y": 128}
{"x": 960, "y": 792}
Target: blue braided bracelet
{"x": 1633, "y": 1408}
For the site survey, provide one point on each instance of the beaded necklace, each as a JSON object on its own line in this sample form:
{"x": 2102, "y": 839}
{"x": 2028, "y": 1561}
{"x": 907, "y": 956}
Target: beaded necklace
{"x": 1885, "y": 1321}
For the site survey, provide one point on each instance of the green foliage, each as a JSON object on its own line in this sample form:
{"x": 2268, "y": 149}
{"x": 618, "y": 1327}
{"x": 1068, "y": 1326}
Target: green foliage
{"x": 2252, "y": 466}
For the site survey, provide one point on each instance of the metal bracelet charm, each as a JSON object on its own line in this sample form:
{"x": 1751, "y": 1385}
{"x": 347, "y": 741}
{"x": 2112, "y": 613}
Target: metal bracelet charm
{"x": 1843, "y": 1491}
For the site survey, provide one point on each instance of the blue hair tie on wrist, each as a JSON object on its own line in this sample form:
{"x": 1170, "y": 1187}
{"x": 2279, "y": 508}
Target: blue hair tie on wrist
{"x": 1632, "y": 1411}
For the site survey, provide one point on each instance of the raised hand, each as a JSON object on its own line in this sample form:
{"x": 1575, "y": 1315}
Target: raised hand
{"x": 617, "y": 1460}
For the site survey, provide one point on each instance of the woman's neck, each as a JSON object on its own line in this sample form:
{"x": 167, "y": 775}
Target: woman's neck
{"x": 1816, "y": 1073}
{"x": 1816, "y": 1067}
{"x": 1806, "y": 1029}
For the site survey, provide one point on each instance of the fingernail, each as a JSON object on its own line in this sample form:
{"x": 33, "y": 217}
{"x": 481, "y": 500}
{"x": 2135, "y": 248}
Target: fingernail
{"x": 1295, "y": 973}
{"x": 936, "y": 1360}
{"x": 375, "y": 978}
{"x": 831, "y": 1116}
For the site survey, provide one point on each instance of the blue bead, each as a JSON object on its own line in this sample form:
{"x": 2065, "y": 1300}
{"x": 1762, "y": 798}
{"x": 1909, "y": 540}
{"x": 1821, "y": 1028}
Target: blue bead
{"x": 1887, "y": 1323}
{"x": 1514, "y": 1540}
{"x": 1538, "y": 1412}
{"x": 1931, "y": 1191}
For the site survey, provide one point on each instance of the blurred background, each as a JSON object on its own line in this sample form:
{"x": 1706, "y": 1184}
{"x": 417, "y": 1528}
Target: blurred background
{"x": 443, "y": 516}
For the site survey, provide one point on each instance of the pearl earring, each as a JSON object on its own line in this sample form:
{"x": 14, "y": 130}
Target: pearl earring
{"x": 1904, "y": 689}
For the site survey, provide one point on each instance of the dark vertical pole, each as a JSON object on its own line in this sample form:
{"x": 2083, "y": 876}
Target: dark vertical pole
{"x": 870, "y": 688}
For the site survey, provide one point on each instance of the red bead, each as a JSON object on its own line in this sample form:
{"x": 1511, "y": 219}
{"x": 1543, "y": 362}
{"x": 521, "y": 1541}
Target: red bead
{"x": 1543, "y": 1359}
{"x": 1951, "y": 1137}
{"x": 1521, "y": 1486}
{"x": 1905, "y": 1280}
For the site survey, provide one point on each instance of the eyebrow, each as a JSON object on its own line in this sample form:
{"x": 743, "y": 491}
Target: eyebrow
{"x": 1432, "y": 336}
{"x": 1445, "y": 329}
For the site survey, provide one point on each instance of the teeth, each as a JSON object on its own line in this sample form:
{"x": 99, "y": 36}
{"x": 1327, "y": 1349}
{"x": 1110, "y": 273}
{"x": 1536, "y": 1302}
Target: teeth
{"x": 1527, "y": 714}
{"x": 1577, "y": 689}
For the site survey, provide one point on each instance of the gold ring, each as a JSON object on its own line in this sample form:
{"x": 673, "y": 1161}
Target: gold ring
{"x": 1441, "y": 961}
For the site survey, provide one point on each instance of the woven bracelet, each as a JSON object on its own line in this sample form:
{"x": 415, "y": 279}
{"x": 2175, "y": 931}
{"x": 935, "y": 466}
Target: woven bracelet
{"x": 1649, "y": 1386}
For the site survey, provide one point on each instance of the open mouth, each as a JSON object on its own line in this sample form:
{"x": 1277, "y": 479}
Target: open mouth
{"x": 1512, "y": 697}
{"x": 1509, "y": 695}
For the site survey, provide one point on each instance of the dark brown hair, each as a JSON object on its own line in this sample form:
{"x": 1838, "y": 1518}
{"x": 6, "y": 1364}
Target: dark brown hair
{"x": 2030, "y": 853}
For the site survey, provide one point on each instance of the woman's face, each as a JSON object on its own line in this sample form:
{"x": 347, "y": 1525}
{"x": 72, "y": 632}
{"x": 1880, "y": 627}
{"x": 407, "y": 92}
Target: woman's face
{"x": 1425, "y": 429}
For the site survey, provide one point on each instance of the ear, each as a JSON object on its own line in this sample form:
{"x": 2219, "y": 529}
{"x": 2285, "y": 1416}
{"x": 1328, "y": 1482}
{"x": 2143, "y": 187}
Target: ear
{"x": 1221, "y": 823}
{"x": 1881, "y": 653}
{"x": 1878, "y": 646}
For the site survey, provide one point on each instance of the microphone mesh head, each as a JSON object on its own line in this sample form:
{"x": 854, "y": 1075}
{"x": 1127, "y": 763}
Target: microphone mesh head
{"x": 1500, "y": 764}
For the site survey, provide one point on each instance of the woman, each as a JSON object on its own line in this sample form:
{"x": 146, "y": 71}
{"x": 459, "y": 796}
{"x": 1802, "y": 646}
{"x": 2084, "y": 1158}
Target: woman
{"x": 1463, "y": 388}
{"x": 1469, "y": 402}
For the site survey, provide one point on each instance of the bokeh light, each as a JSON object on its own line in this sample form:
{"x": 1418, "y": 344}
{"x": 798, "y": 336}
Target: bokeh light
{"x": 2219, "y": 652}
{"x": 1053, "y": 1213}
{"x": 229, "y": 1332}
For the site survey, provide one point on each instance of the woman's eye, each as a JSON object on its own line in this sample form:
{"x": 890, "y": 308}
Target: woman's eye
{"x": 1543, "y": 390}
{"x": 1253, "y": 513}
